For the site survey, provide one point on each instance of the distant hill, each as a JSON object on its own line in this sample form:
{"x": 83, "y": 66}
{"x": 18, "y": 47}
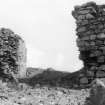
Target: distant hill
{"x": 33, "y": 71}
{"x": 48, "y": 73}
{"x": 53, "y": 77}
{"x": 43, "y": 76}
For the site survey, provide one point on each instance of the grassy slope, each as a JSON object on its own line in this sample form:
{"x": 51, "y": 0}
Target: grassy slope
{"x": 50, "y": 77}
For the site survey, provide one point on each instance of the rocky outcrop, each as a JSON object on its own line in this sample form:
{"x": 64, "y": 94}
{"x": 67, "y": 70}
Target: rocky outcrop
{"x": 90, "y": 31}
{"x": 12, "y": 54}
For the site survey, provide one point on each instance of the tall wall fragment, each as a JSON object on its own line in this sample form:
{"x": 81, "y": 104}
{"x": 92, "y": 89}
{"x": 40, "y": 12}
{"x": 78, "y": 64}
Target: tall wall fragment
{"x": 90, "y": 31}
{"x": 12, "y": 54}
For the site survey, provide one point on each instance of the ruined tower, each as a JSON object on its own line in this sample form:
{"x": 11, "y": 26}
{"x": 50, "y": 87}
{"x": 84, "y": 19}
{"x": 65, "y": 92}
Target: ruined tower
{"x": 12, "y": 54}
{"x": 90, "y": 31}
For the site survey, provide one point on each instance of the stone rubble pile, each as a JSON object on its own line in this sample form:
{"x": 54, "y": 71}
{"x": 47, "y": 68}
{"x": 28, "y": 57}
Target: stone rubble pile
{"x": 90, "y": 21}
{"x": 44, "y": 96}
{"x": 12, "y": 54}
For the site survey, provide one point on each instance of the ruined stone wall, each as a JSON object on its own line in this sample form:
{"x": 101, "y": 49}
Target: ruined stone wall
{"x": 12, "y": 54}
{"x": 90, "y": 31}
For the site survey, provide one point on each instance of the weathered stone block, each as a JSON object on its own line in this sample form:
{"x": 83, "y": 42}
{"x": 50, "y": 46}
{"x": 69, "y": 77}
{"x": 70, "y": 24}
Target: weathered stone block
{"x": 86, "y": 44}
{"x": 92, "y": 37}
{"x": 100, "y": 26}
{"x": 82, "y": 12}
{"x": 92, "y": 43}
{"x": 77, "y": 8}
{"x": 101, "y": 36}
{"x": 81, "y": 29}
{"x": 81, "y": 17}
{"x": 99, "y": 42}
{"x": 101, "y": 59}
{"x": 85, "y": 38}
{"x": 80, "y": 42}
{"x": 89, "y": 16}
{"x": 90, "y": 73}
{"x": 96, "y": 53}
{"x": 92, "y": 26}
{"x": 102, "y": 67}
{"x": 89, "y": 32}
{"x": 82, "y": 22}
{"x": 84, "y": 80}
{"x": 100, "y": 73}
{"x": 102, "y": 48}
{"x": 93, "y": 68}
{"x": 90, "y": 4}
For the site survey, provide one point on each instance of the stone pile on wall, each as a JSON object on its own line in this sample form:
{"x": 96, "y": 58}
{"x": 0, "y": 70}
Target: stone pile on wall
{"x": 12, "y": 54}
{"x": 90, "y": 31}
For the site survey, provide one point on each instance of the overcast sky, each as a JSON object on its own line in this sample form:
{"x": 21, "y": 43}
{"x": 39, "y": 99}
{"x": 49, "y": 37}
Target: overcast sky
{"x": 48, "y": 29}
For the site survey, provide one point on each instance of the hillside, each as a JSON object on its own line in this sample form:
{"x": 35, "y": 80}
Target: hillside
{"x": 51, "y": 77}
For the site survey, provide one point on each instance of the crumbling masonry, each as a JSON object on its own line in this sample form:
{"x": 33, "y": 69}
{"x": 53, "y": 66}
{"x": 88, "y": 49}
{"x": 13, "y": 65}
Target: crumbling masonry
{"x": 12, "y": 55}
{"x": 90, "y": 20}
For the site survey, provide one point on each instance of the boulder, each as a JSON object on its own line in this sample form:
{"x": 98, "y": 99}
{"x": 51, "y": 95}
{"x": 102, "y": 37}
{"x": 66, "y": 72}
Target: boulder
{"x": 97, "y": 93}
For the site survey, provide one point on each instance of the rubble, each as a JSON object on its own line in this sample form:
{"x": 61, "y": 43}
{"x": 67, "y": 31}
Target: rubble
{"x": 43, "y": 96}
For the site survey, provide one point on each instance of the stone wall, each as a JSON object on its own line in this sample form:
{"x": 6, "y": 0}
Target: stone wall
{"x": 12, "y": 54}
{"x": 90, "y": 31}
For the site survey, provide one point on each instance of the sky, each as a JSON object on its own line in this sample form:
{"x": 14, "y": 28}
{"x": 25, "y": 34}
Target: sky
{"x": 48, "y": 30}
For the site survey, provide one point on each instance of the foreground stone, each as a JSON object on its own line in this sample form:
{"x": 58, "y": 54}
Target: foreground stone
{"x": 97, "y": 93}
